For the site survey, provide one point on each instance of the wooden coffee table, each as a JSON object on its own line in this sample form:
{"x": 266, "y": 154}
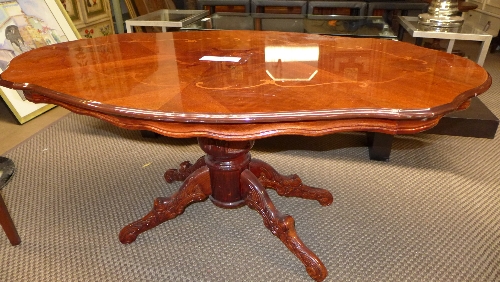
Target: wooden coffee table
{"x": 230, "y": 88}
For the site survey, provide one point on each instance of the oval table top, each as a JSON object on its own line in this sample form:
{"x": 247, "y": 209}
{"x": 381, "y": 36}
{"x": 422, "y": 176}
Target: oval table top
{"x": 249, "y": 84}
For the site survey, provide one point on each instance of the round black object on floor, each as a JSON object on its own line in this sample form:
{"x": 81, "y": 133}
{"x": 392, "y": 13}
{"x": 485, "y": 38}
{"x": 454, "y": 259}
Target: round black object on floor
{"x": 7, "y": 169}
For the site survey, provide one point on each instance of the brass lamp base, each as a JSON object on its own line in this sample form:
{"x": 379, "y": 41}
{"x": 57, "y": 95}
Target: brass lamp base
{"x": 442, "y": 14}
{"x": 440, "y": 21}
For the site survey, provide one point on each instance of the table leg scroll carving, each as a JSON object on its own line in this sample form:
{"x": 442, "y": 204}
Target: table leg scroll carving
{"x": 289, "y": 186}
{"x": 196, "y": 188}
{"x": 185, "y": 169}
{"x": 230, "y": 178}
{"x": 282, "y": 226}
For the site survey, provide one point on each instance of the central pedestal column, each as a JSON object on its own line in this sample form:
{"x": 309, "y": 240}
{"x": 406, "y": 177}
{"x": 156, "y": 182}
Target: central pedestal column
{"x": 226, "y": 161}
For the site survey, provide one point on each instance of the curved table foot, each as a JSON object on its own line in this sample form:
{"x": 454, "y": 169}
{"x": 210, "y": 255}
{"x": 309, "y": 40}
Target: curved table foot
{"x": 282, "y": 226}
{"x": 196, "y": 188}
{"x": 185, "y": 169}
{"x": 289, "y": 186}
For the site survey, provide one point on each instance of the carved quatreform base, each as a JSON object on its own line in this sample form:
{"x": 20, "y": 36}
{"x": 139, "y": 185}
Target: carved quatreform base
{"x": 230, "y": 178}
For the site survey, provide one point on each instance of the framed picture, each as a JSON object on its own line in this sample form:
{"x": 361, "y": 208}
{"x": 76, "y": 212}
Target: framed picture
{"x": 26, "y": 25}
{"x": 94, "y": 8}
{"x": 71, "y": 7}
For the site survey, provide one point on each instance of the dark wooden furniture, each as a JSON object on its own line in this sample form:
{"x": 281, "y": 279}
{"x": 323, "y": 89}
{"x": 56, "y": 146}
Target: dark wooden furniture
{"x": 279, "y": 6}
{"x": 8, "y": 225}
{"x": 495, "y": 42}
{"x": 283, "y": 83}
{"x": 242, "y": 6}
{"x": 6, "y": 170}
{"x": 352, "y": 8}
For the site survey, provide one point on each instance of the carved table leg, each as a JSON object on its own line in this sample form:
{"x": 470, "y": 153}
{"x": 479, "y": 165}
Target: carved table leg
{"x": 289, "y": 186}
{"x": 185, "y": 169}
{"x": 231, "y": 179}
{"x": 196, "y": 188}
{"x": 282, "y": 226}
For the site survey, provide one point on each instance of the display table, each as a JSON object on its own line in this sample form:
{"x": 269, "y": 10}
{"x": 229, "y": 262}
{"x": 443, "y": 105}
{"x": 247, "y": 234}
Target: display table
{"x": 165, "y": 19}
{"x": 335, "y": 25}
{"x": 230, "y": 88}
{"x": 465, "y": 32}
{"x": 477, "y": 121}
{"x": 379, "y": 145}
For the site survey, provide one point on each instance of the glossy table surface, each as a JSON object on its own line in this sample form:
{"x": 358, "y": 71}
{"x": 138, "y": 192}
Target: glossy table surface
{"x": 230, "y": 87}
{"x": 268, "y": 83}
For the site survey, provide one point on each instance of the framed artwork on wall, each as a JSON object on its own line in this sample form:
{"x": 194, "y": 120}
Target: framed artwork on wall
{"x": 71, "y": 7}
{"x": 91, "y": 18}
{"x": 26, "y": 25}
{"x": 94, "y": 8}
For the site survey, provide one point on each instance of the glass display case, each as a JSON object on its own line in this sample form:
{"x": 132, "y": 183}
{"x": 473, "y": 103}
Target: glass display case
{"x": 166, "y": 18}
{"x": 353, "y": 26}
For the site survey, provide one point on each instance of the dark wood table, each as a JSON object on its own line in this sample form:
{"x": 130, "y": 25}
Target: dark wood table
{"x": 283, "y": 83}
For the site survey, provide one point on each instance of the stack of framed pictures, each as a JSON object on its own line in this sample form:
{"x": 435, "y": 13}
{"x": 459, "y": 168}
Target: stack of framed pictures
{"x": 26, "y": 25}
{"x": 92, "y": 18}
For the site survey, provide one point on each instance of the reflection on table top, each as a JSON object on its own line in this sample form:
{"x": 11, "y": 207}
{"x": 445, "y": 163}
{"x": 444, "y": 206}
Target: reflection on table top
{"x": 248, "y": 76}
{"x": 354, "y": 26}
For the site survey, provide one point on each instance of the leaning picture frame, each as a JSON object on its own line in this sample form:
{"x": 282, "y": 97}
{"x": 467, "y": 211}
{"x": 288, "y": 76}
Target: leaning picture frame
{"x": 71, "y": 7}
{"x": 94, "y": 8}
{"x": 26, "y": 25}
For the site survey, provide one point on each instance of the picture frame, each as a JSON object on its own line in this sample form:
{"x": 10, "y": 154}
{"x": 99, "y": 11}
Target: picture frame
{"x": 29, "y": 24}
{"x": 71, "y": 7}
{"x": 94, "y": 8}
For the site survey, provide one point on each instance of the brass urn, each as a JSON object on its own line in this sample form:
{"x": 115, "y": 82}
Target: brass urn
{"x": 442, "y": 14}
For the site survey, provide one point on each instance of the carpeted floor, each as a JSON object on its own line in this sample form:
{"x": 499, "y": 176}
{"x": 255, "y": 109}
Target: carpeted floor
{"x": 432, "y": 213}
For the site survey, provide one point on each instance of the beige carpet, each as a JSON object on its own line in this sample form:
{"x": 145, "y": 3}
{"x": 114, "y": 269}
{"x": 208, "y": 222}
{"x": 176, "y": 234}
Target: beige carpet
{"x": 432, "y": 213}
